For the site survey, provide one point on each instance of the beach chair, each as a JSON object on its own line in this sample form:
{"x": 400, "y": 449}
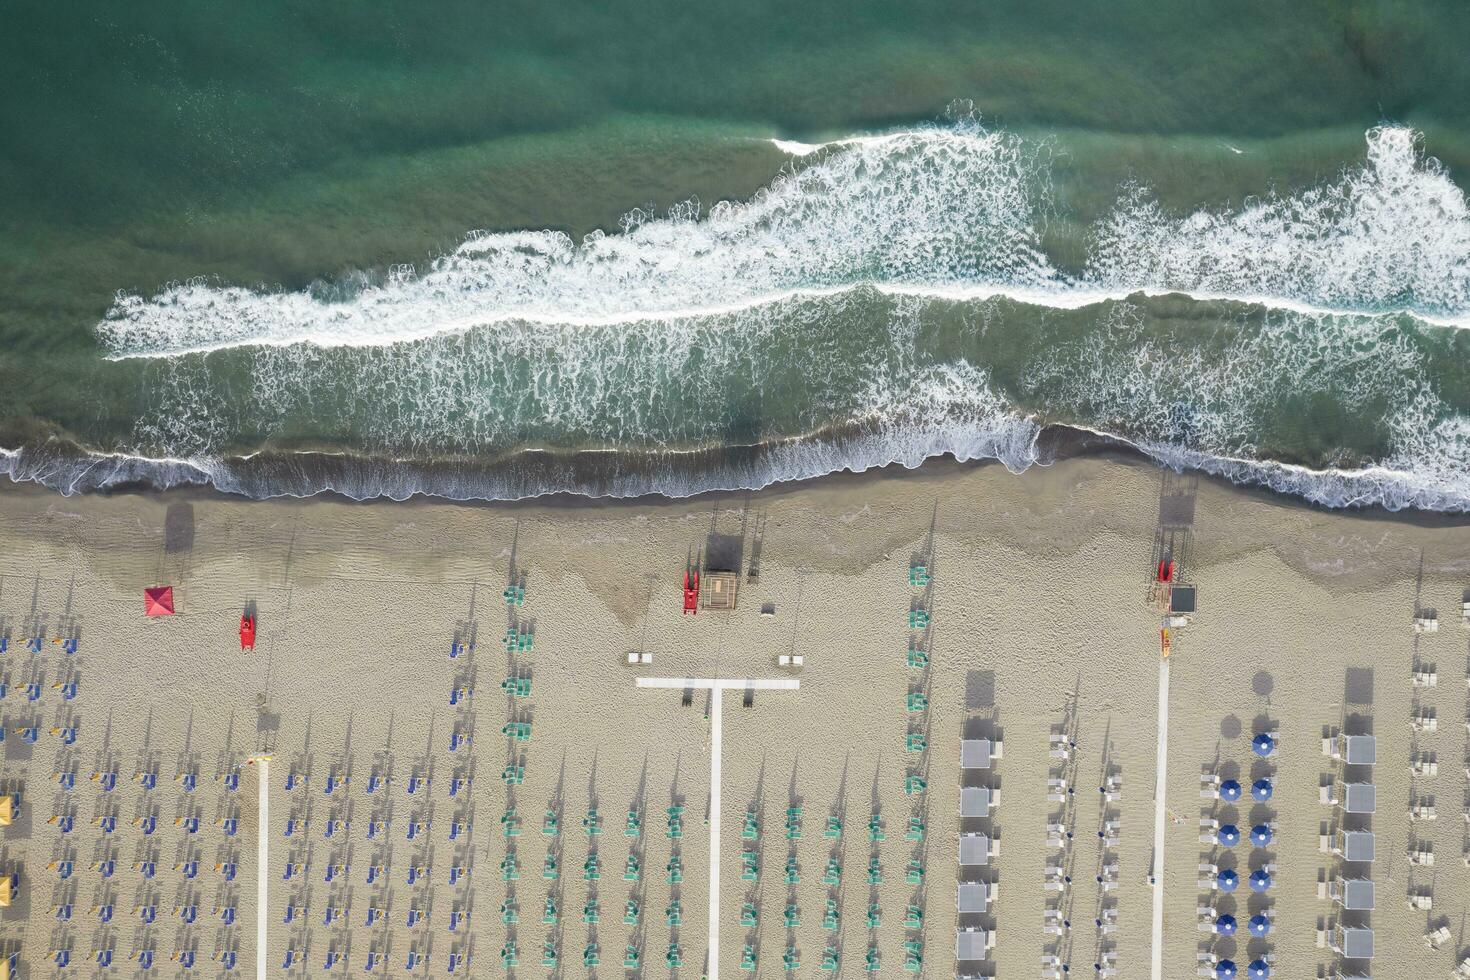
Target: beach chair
{"x": 832, "y": 916}
{"x": 792, "y": 873}
{"x": 591, "y": 912}
{"x": 832, "y": 876}
{"x": 834, "y": 829}
{"x": 792, "y": 917}
{"x": 1437, "y": 938}
{"x": 674, "y": 958}
{"x": 917, "y": 658}
{"x": 592, "y": 823}
{"x": 630, "y": 958}
{"x": 548, "y": 954}
{"x": 751, "y": 830}
{"x": 749, "y": 866}
{"x": 631, "y": 869}
{"x": 916, "y": 701}
{"x": 674, "y": 870}
{"x": 749, "y": 916}
{"x": 918, "y": 619}
{"x": 793, "y": 823}
{"x": 872, "y": 962}
{"x": 874, "y": 916}
{"x": 592, "y": 868}
{"x": 747, "y": 959}
{"x": 875, "y": 829}
{"x": 791, "y": 959}
{"x": 631, "y": 913}
{"x": 918, "y": 576}
{"x": 915, "y": 742}
{"x": 509, "y": 954}
{"x": 915, "y": 833}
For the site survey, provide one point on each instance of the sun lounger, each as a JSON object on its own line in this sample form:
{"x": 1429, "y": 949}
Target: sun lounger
{"x": 1437, "y": 938}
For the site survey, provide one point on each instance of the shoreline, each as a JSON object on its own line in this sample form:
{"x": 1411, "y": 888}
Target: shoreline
{"x": 613, "y": 476}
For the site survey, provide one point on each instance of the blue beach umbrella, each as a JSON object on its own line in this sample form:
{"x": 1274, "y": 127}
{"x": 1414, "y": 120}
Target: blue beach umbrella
{"x": 1228, "y": 835}
{"x": 1230, "y": 791}
{"x": 1225, "y": 969}
{"x": 1263, "y": 744}
{"x": 1228, "y": 880}
{"x": 1260, "y": 880}
{"x": 1261, "y": 835}
{"x": 1259, "y": 970}
{"x": 1225, "y": 925}
{"x": 1259, "y": 925}
{"x": 1261, "y": 790}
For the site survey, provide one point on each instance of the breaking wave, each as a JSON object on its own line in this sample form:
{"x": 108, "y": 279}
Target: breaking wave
{"x": 887, "y": 299}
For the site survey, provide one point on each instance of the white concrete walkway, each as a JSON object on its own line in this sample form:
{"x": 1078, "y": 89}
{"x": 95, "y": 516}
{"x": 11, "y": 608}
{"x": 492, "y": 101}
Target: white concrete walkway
{"x": 1161, "y": 818}
{"x": 716, "y": 687}
{"x": 262, "y": 860}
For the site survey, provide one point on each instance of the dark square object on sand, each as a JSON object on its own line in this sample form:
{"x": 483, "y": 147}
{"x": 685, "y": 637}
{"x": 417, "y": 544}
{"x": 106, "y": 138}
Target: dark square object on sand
{"x": 1182, "y": 599}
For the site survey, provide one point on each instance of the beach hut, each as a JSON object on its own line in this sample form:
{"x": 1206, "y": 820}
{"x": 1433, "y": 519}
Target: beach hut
{"x": 1356, "y": 797}
{"x": 972, "y": 897}
{"x": 976, "y": 801}
{"x": 158, "y": 601}
{"x": 1354, "y": 943}
{"x": 1354, "y": 845}
{"x": 1353, "y": 894}
{"x": 974, "y": 850}
{"x": 978, "y": 753}
{"x": 972, "y": 944}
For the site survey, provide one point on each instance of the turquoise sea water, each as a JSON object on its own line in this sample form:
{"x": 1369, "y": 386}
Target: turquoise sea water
{"x": 487, "y": 251}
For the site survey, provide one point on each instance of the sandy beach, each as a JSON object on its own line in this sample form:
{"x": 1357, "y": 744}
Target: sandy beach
{"x": 1041, "y": 624}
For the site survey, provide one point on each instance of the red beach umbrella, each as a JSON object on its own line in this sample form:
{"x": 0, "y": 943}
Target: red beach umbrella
{"x": 158, "y": 601}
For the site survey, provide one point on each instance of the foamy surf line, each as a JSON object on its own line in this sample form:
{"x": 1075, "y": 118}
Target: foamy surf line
{"x": 1017, "y": 443}
{"x": 1061, "y": 299}
{"x": 951, "y": 213}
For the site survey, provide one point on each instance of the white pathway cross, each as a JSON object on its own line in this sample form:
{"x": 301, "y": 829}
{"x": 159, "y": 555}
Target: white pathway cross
{"x": 717, "y": 687}
{"x": 262, "y": 860}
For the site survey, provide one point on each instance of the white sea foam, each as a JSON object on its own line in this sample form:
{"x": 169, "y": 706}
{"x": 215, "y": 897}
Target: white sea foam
{"x": 948, "y": 212}
{"x": 932, "y": 208}
{"x": 1393, "y": 233}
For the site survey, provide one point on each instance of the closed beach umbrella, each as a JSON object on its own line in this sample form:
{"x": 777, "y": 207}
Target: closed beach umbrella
{"x": 1225, "y": 969}
{"x": 1260, "y": 880}
{"x": 1261, "y": 789}
{"x": 1228, "y": 835}
{"x": 1225, "y": 925}
{"x": 1228, "y": 880}
{"x": 1263, "y": 744}
{"x": 158, "y": 601}
{"x": 1230, "y": 790}
{"x": 1259, "y": 925}
{"x": 1259, "y": 970}
{"x": 1261, "y": 835}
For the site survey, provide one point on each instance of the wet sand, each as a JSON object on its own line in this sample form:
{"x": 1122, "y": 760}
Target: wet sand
{"x": 1041, "y": 622}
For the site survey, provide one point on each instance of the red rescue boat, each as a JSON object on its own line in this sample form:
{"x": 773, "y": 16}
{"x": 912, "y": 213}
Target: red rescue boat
{"x": 691, "y": 592}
